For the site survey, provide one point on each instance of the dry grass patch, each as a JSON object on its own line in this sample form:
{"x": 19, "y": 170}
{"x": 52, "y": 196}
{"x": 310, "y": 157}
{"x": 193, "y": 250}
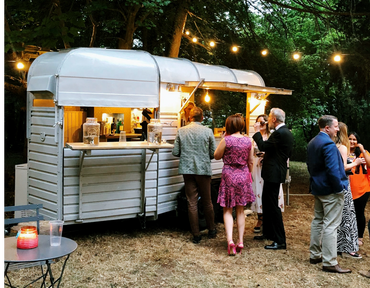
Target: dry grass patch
{"x": 120, "y": 254}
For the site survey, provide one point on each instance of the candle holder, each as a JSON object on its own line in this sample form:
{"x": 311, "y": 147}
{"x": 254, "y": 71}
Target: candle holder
{"x": 28, "y": 238}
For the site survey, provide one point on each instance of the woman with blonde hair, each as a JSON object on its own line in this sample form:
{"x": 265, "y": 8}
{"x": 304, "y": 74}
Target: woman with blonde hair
{"x": 347, "y": 236}
{"x": 236, "y": 182}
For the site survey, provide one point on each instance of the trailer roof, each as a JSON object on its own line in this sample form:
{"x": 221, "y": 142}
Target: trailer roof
{"x": 98, "y": 77}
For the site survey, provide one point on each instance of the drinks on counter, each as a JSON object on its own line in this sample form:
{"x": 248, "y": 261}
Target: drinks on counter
{"x": 155, "y": 131}
{"x": 91, "y": 131}
{"x": 155, "y": 137}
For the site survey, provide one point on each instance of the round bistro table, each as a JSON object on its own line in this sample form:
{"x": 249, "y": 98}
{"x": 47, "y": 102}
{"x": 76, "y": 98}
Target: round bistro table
{"x": 44, "y": 254}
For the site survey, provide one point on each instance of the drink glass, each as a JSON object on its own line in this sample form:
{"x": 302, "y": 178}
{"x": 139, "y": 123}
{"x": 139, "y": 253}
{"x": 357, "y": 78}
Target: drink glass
{"x": 122, "y": 136}
{"x": 56, "y": 229}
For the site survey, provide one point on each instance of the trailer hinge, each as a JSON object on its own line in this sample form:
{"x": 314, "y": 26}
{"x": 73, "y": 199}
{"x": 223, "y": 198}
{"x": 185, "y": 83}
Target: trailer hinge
{"x": 60, "y": 123}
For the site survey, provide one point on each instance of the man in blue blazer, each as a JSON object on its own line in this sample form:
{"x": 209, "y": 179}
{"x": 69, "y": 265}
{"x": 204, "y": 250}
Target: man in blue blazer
{"x": 278, "y": 149}
{"x": 328, "y": 180}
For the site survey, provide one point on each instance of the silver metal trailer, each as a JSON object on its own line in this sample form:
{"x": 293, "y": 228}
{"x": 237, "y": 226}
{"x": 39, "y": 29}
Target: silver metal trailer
{"x": 109, "y": 182}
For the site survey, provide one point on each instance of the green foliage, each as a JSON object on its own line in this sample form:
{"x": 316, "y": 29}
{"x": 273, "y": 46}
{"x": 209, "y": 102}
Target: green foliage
{"x": 320, "y": 86}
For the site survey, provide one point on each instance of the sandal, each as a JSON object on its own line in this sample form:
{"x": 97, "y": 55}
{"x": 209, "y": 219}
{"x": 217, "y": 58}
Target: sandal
{"x": 231, "y": 250}
{"x": 239, "y": 248}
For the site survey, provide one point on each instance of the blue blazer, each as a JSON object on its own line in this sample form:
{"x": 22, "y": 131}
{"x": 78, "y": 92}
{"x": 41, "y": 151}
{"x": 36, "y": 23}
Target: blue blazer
{"x": 325, "y": 165}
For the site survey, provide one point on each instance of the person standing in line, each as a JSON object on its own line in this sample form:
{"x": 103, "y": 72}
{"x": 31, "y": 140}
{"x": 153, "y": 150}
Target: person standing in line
{"x": 236, "y": 182}
{"x": 278, "y": 149}
{"x": 196, "y": 145}
{"x": 185, "y": 115}
{"x": 257, "y": 183}
{"x": 328, "y": 181}
{"x": 347, "y": 239}
{"x": 359, "y": 181}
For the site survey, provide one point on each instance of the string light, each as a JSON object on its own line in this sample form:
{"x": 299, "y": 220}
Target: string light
{"x": 296, "y": 56}
{"x": 337, "y": 58}
{"x": 212, "y": 44}
{"x": 187, "y": 32}
{"x": 20, "y": 65}
{"x": 195, "y": 40}
{"x": 264, "y": 52}
{"x": 235, "y": 48}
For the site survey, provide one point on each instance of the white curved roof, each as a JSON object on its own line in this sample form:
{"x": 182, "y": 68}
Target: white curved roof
{"x": 125, "y": 78}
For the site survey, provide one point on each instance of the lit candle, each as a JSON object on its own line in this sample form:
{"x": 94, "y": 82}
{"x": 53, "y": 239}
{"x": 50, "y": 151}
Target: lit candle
{"x": 28, "y": 238}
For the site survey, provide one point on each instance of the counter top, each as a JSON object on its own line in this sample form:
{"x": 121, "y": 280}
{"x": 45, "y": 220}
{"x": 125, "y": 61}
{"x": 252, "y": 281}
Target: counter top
{"x": 118, "y": 145}
{"x": 128, "y": 135}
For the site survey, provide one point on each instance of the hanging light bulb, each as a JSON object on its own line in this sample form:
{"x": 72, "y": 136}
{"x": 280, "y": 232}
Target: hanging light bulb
{"x": 207, "y": 98}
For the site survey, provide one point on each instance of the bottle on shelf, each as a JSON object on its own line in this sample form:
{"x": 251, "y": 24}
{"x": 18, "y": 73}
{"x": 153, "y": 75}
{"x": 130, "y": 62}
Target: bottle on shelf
{"x": 119, "y": 125}
{"x": 113, "y": 127}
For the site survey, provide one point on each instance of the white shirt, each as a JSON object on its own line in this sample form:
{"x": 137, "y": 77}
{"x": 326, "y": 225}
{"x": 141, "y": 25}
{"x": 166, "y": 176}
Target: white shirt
{"x": 277, "y": 127}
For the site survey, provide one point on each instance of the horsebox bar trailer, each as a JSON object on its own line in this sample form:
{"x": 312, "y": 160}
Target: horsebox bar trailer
{"x": 80, "y": 183}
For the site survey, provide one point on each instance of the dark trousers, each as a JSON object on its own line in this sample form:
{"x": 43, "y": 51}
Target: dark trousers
{"x": 360, "y": 204}
{"x": 195, "y": 186}
{"x": 273, "y": 227}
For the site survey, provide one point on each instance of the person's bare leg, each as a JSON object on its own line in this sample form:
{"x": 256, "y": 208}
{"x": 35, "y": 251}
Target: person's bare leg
{"x": 240, "y": 221}
{"x": 229, "y": 223}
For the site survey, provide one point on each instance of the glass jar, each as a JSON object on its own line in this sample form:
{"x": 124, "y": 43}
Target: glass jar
{"x": 91, "y": 131}
{"x": 155, "y": 131}
{"x": 27, "y": 238}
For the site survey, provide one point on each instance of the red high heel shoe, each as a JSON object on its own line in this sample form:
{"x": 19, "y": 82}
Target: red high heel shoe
{"x": 239, "y": 248}
{"x": 231, "y": 250}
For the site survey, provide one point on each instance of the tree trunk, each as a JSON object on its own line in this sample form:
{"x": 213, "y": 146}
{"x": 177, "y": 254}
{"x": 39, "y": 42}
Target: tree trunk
{"x": 94, "y": 27}
{"x": 58, "y": 11}
{"x": 179, "y": 25}
{"x": 128, "y": 38}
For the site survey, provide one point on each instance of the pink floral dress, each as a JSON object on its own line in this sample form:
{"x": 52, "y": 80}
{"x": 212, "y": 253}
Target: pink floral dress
{"x": 236, "y": 182}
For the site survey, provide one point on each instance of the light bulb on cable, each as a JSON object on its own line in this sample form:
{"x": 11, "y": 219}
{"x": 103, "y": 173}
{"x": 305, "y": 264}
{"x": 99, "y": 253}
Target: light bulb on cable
{"x": 207, "y": 98}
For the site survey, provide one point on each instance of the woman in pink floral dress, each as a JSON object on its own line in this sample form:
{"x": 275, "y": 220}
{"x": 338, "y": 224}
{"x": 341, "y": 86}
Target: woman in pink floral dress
{"x": 236, "y": 183}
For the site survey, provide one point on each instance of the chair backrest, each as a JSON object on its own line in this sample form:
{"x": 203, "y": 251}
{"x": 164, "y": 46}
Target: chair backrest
{"x": 36, "y": 218}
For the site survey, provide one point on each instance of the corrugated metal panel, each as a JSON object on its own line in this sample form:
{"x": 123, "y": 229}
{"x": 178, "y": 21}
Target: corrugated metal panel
{"x": 43, "y": 160}
{"x": 111, "y": 185}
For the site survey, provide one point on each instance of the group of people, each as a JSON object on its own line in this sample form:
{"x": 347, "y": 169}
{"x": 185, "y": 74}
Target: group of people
{"x": 195, "y": 145}
{"x": 337, "y": 162}
{"x": 245, "y": 180}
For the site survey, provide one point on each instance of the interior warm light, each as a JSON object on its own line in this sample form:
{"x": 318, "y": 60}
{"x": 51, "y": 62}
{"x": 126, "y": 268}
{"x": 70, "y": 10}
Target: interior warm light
{"x": 207, "y": 98}
{"x": 187, "y": 32}
{"x": 235, "y": 48}
{"x": 20, "y": 65}
{"x": 337, "y": 58}
{"x": 296, "y": 56}
{"x": 195, "y": 39}
{"x": 212, "y": 44}
{"x": 264, "y": 52}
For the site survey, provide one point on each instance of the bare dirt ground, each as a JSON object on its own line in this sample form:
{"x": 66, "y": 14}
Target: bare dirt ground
{"x": 121, "y": 254}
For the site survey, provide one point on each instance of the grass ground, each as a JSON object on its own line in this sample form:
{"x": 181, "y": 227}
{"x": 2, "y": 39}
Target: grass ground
{"x": 120, "y": 254}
